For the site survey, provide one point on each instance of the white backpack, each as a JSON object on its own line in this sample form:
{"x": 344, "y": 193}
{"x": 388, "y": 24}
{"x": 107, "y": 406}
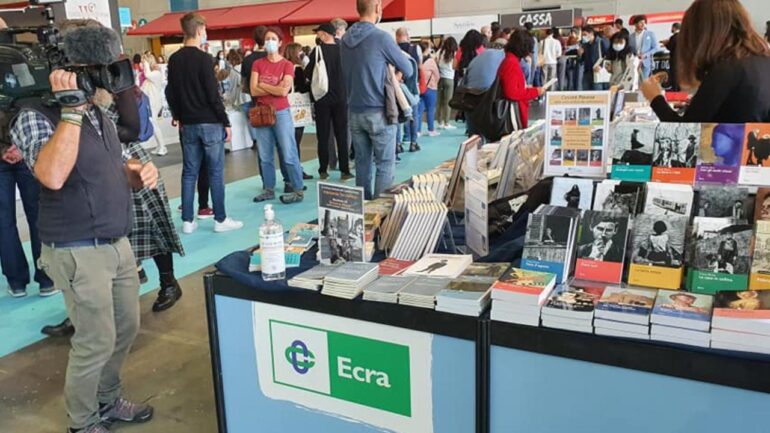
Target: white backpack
{"x": 319, "y": 84}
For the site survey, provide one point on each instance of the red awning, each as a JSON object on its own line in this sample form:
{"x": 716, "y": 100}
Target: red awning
{"x": 254, "y": 15}
{"x": 319, "y": 11}
{"x": 165, "y": 25}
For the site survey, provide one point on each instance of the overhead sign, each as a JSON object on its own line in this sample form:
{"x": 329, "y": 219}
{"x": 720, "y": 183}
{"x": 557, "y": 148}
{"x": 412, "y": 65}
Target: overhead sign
{"x": 461, "y": 25}
{"x": 345, "y": 367}
{"x": 125, "y": 17}
{"x": 600, "y": 20}
{"x": 541, "y": 19}
{"x": 415, "y": 28}
{"x": 98, "y": 10}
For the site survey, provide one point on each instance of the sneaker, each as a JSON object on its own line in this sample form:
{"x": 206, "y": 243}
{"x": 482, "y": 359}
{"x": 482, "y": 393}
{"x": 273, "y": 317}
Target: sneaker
{"x": 434, "y": 133}
{"x": 48, "y": 291}
{"x": 414, "y": 147}
{"x": 266, "y": 195}
{"x": 306, "y": 176}
{"x": 17, "y": 293}
{"x": 161, "y": 152}
{"x": 449, "y": 126}
{"x": 206, "y": 213}
{"x": 347, "y": 176}
{"x": 292, "y": 198}
{"x": 323, "y": 175}
{"x": 189, "y": 227}
{"x": 227, "y": 225}
{"x": 96, "y": 428}
{"x": 421, "y": 134}
{"x": 125, "y": 411}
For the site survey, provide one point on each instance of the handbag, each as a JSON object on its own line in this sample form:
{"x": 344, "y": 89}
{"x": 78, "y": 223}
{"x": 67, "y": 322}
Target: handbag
{"x": 262, "y": 116}
{"x": 465, "y": 98}
{"x": 602, "y": 75}
{"x": 301, "y": 108}
{"x": 496, "y": 116}
{"x": 319, "y": 84}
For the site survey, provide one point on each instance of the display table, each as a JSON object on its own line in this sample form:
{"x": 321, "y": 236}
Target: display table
{"x": 288, "y": 360}
{"x": 546, "y": 380}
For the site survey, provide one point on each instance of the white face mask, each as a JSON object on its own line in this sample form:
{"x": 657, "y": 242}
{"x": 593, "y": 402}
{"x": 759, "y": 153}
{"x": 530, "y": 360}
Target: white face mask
{"x": 271, "y": 46}
{"x": 618, "y": 47}
{"x": 586, "y": 40}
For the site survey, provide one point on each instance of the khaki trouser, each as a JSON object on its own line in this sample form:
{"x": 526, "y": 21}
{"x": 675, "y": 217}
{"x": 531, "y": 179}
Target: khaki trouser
{"x": 101, "y": 291}
{"x": 446, "y": 89}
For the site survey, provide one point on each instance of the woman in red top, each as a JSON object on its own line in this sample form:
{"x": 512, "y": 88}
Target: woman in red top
{"x": 272, "y": 78}
{"x": 511, "y": 76}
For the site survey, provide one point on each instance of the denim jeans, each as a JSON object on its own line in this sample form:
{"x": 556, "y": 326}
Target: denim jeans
{"x": 204, "y": 141}
{"x": 526, "y": 67}
{"x": 281, "y": 135}
{"x": 427, "y": 103}
{"x": 410, "y": 126}
{"x": 12, "y": 258}
{"x": 374, "y": 141}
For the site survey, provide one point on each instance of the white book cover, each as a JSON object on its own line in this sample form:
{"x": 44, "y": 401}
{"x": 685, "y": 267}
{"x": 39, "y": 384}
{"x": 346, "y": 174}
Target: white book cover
{"x": 614, "y": 333}
{"x": 668, "y": 199}
{"x": 621, "y": 326}
{"x": 440, "y": 265}
{"x": 502, "y": 316}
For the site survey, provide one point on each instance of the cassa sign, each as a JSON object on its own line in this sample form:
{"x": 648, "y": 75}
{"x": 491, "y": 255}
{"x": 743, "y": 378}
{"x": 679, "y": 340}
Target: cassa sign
{"x": 541, "y": 19}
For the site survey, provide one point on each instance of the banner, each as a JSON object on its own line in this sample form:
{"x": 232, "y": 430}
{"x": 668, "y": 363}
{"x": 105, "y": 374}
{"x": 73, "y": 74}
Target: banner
{"x": 461, "y": 25}
{"x": 98, "y": 10}
{"x": 541, "y": 19}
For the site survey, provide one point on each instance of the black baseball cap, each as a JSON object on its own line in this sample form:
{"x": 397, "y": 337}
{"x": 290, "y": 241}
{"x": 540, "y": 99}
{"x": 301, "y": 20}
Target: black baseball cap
{"x": 326, "y": 27}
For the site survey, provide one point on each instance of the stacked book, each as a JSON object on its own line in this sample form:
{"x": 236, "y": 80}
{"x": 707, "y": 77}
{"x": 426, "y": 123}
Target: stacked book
{"x": 415, "y": 225}
{"x": 571, "y": 306}
{"x": 422, "y": 292}
{"x": 312, "y": 279}
{"x": 624, "y": 312}
{"x": 440, "y": 266}
{"x": 349, "y": 279}
{"x": 386, "y": 288}
{"x": 391, "y": 266}
{"x": 741, "y": 321}
{"x": 682, "y": 318}
{"x": 518, "y": 295}
{"x": 469, "y": 295}
{"x": 434, "y": 181}
{"x": 549, "y": 244}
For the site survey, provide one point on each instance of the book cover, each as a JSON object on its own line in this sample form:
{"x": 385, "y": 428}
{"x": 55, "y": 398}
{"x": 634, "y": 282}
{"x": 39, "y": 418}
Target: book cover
{"x": 425, "y": 287}
{"x": 657, "y": 251}
{"x": 760, "y": 266}
{"x": 440, "y": 265}
{"x": 721, "y": 257}
{"x": 632, "y": 151}
{"x": 619, "y": 196}
{"x": 723, "y": 202}
{"x": 601, "y": 247}
{"x": 574, "y": 298}
{"x": 755, "y": 159}
{"x": 627, "y": 300}
{"x": 389, "y": 284}
{"x": 459, "y": 290}
{"x": 762, "y": 205}
{"x": 683, "y": 305}
{"x": 351, "y": 272}
{"x": 748, "y": 304}
{"x": 524, "y": 281}
{"x": 719, "y": 153}
{"x": 663, "y": 199}
{"x": 546, "y": 243}
{"x": 484, "y": 272}
{"x": 572, "y": 192}
{"x": 341, "y": 223}
{"x": 675, "y": 154}
{"x": 391, "y": 266}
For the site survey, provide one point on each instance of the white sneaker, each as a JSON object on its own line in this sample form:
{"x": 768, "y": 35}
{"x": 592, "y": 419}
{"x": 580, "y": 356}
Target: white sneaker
{"x": 227, "y": 225}
{"x": 434, "y": 133}
{"x": 449, "y": 126}
{"x": 188, "y": 228}
{"x": 440, "y": 126}
{"x": 161, "y": 152}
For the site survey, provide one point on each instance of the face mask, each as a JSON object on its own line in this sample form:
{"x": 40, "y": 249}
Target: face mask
{"x": 221, "y": 57}
{"x": 618, "y": 47}
{"x": 204, "y": 39}
{"x": 586, "y": 40}
{"x": 271, "y": 47}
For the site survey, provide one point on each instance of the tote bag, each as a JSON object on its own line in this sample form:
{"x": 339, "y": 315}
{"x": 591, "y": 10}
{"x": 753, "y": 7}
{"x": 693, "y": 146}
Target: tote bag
{"x": 602, "y": 75}
{"x": 319, "y": 84}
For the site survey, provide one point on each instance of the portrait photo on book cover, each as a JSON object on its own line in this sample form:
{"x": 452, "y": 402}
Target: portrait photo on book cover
{"x": 757, "y": 150}
{"x": 574, "y": 193}
{"x": 725, "y": 250}
{"x": 745, "y": 300}
{"x": 603, "y": 236}
{"x": 546, "y": 238}
{"x": 721, "y": 144}
{"x": 659, "y": 240}
{"x": 634, "y": 144}
{"x": 341, "y": 237}
{"x": 762, "y": 205}
{"x": 676, "y": 145}
{"x": 575, "y": 299}
{"x": 676, "y": 301}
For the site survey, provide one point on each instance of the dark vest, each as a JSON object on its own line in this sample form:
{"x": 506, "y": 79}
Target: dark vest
{"x": 95, "y": 201}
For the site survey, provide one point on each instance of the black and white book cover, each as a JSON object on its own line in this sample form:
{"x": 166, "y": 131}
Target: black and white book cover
{"x": 723, "y": 202}
{"x": 341, "y": 223}
{"x": 676, "y": 145}
{"x": 658, "y": 240}
{"x": 619, "y": 196}
{"x": 572, "y": 192}
{"x": 668, "y": 199}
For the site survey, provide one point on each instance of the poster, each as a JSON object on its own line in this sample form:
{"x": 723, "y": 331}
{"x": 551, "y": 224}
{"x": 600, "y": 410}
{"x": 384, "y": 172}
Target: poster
{"x": 98, "y": 10}
{"x": 576, "y": 135}
{"x": 341, "y": 223}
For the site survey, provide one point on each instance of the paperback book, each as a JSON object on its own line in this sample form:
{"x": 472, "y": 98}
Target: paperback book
{"x": 719, "y": 155}
{"x": 721, "y": 256}
{"x": 746, "y": 311}
{"x": 632, "y": 151}
{"x": 657, "y": 252}
{"x": 464, "y": 297}
{"x": 313, "y": 278}
{"x": 386, "y": 288}
{"x": 668, "y": 199}
{"x": 524, "y": 287}
{"x": 676, "y": 150}
{"x": 619, "y": 196}
{"x": 762, "y": 205}
{"x": 632, "y": 305}
{"x": 601, "y": 247}
{"x": 422, "y": 292}
{"x": 391, "y": 266}
{"x": 574, "y": 301}
{"x": 440, "y": 266}
{"x": 683, "y": 310}
{"x": 341, "y": 222}
{"x": 755, "y": 160}
{"x": 349, "y": 279}
{"x": 760, "y": 265}
{"x": 723, "y": 202}
{"x": 572, "y": 192}
{"x": 549, "y": 241}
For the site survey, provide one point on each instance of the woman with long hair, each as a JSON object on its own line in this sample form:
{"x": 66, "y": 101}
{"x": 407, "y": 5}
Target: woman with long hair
{"x": 430, "y": 73}
{"x": 620, "y": 56}
{"x": 722, "y": 57}
{"x": 272, "y": 79}
{"x": 446, "y": 84}
{"x": 153, "y": 88}
{"x": 294, "y": 53}
{"x": 471, "y": 45}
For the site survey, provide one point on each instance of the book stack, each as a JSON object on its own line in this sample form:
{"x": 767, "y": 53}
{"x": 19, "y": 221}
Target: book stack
{"x": 624, "y": 312}
{"x": 682, "y": 318}
{"x": 386, "y": 288}
{"x": 415, "y": 224}
{"x": 375, "y": 213}
{"x": 741, "y": 321}
{"x": 469, "y": 295}
{"x": 571, "y": 306}
{"x": 518, "y": 295}
{"x": 440, "y": 266}
{"x": 549, "y": 244}
{"x": 312, "y": 279}
{"x": 437, "y": 183}
{"x": 391, "y": 266}
{"x": 422, "y": 292}
{"x": 349, "y": 279}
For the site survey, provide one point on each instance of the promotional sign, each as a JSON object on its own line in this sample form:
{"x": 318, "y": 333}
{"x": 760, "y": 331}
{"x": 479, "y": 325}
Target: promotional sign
{"x": 600, "y": 20}
{"x": 541, "y": 19}
{"x": 98, "y": 10}
{"x": 415, "y": 28}
{"x": 461, "y": 25}
{"x": 345, "y": 367}
{"x": 125, "y": 17}
{"x": 576, "y": 140}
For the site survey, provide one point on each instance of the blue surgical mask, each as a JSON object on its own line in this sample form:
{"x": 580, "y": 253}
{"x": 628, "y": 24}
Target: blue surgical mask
{"x": 586, "y": 40}
{"x": 271, "y": 47}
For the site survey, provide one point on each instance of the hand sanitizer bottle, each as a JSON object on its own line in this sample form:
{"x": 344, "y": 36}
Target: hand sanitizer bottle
{"x": 271, "y": 247}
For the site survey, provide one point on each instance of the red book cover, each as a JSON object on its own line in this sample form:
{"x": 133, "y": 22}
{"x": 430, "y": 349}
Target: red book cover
{"x": 601, "y": 246}
{"x": 392, "y": 266}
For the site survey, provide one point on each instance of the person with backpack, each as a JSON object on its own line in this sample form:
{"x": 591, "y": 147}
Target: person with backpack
{"x": 429, "y": 77}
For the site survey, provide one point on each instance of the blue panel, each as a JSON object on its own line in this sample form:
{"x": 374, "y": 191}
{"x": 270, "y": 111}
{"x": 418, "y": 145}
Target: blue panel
{"x": 248, "y": 410}
{"x": 183, "y": 5}
{"x": 537, "y": 393}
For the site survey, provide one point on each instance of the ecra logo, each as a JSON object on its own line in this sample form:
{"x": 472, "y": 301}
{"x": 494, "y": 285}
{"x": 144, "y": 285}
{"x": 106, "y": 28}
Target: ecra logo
{"x": 300, "y": 358}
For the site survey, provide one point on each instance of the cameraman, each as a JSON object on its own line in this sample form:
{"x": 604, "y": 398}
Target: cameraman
{"x": 85, "y": 216}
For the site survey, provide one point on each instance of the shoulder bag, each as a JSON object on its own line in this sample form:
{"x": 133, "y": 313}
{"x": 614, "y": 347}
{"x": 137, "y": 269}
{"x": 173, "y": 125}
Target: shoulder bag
{"x": 465, "y": 98}
{"x": 496, "y": 116}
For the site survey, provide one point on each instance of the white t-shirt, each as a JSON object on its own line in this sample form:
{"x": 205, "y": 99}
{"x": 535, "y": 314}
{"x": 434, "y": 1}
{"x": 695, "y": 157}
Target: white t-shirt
{"x": 551, "y": 50}
{"x": 445, "y": 69}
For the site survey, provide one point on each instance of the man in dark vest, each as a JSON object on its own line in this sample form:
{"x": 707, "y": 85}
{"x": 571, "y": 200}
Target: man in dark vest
{"x": 84, "y": 218}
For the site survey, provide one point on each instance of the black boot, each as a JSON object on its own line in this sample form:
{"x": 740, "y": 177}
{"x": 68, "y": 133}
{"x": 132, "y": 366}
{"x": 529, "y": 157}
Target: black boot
{"x": 142, "y": 275}
{"x": 399, "y": 148}
{"x": 63, "y": 329}
{"x": 169, "y": 293}
{"x": 414, "y": 147}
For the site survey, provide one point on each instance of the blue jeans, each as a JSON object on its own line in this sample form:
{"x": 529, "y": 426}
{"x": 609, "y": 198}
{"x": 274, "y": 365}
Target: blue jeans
{"x": 252, "y": 130}
{"x": 427, "y": 102}
{"x": 281, "y": 135}
{"x": 411, "y": 127}
{"x": 12, "y": 258}
{"x": 526, "y": 67}
{"x": 204, "y": 141}
{"x": 374, "y": 141}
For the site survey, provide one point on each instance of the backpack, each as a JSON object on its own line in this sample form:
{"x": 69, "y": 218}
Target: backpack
{"x": 146, "y": 130}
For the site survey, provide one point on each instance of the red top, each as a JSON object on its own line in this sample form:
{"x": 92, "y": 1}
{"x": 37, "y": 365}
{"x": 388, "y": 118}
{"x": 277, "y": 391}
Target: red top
{"x": 515, "y": 86}
{"x": 459, "y": 53}
{"x": 272, "y": 74}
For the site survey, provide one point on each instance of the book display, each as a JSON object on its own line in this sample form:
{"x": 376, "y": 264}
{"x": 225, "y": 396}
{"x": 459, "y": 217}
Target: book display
{"x": 624, "y": 312}
{"x": 657, "y": 254}
{"x": 759, "y": 278}
{"x": 722, "y": 255}
{"x": 741, "y": 321}
{"x": 518, "y": 295}
{"x": 601, "y": 249}
{"x": 571, "y": 307}
{"x": 682, "y": 318}
{"x": 755, "y": 159}
{"x": 550, "y": 239}
{"x": 719, "y": 155}
{"x": 675, "y": 154}
{"x": 633, "y": 145}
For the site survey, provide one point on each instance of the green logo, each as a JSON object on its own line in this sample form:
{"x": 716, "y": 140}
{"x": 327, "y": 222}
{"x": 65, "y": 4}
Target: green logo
{"x": 300, "y": 357}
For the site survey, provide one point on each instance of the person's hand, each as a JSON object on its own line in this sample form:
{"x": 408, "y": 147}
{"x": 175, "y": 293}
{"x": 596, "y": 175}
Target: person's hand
{"x": 228, "y": 134}
{"x": 62, "y": 81}
{"x": 596, "y": 68}
{"x": 147, "y": 174}
{"x": 580, "y": 51}
{"x": 650, "y": 88}
{"x": 540, "y": 91}
{"x": 12, "y": 155}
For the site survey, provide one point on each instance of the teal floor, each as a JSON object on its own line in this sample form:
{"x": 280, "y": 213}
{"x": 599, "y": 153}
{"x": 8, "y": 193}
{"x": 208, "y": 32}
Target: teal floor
{"x": 21, "y": 319}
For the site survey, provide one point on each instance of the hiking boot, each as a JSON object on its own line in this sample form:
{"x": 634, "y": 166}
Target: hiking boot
{"x": 122, "y": 410}
{"x": 292, "y": 198}
{"x": 266, "y": 195}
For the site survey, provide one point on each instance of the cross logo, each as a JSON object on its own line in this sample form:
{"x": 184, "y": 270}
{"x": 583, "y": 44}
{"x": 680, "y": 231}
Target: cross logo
{"x": 300, "y": 358}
